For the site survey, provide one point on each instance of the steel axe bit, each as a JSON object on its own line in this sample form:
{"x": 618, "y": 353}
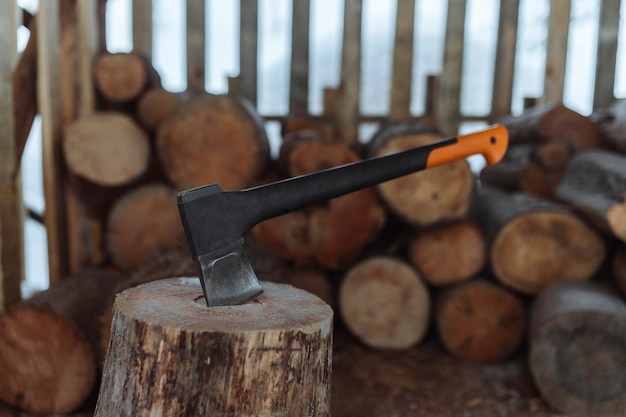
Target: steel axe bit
{"x": 215, "y": 221}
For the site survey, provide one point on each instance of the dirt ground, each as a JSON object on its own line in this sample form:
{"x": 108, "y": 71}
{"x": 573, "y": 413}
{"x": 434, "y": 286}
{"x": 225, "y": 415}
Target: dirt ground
{"x": 425, "y": 382}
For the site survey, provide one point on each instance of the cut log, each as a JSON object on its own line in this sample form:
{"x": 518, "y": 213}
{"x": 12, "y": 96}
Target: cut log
{"x": 315, "y": 281}
{"x": 141, "y": 222}
{"x": 612, "y": 123}
{"x": 578, "y": 349}
{"x": 534, "y": 242}
{"x": 213, "y": 139}
{"x": 385, "y": 304}
{"x": 155, "y": 105}
{"x": 171, "y": 355}
{"x": 296, "y": 123}
{"x": 120, "y": 77}
{"x": 48, "y": 345}
{"x": 595, "y": 185}
{"x": 449, "y": 254}
{"x": 106, "y": 149}
{"x": 618, "y": 267}
{"x": 331, "y": 235}
{"x": 480, "y": 321}
{"x": 443, "y": 193}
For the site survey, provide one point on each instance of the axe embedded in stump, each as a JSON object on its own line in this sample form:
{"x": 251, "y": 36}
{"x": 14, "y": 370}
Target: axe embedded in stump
{"x": 215, "y": 221}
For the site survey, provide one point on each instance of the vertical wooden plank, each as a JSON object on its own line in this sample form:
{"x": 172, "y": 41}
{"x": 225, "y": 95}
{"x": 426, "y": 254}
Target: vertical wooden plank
{"x": 449, "y": 105}
{"x": 400, "y": 103}
{"x": 11, "y": 207}
{"x": 196, "y": 45}
{"x": 248, "y": 49}
{"x": 558, "y": 32}
{"x": 608, "y": 30}
{"x": 142, "y": 28}
{"x": 86, "y": 12}
{"x": 299, "y": 83}
{"x": 506, "y": 48}
{"x": 347, "y": 105}
{"x": 49, "y": 69}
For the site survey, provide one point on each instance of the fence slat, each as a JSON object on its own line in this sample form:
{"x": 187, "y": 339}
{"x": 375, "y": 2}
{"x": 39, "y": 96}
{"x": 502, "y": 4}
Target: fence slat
{"x": 11, "y": 220}
{"x": 299, "y": 84}
{"x": 87, "y": 49}
{"x": 400, "y": 103}
{"x": 195, "y": 45}
{"x": 449, "y": 106}
{"x": 606, "y": 59}
{"x": 558, "y": 32}
{"x": 347, "y": 106}
{"x": 506, "y": 49}
{"x": 248, "y": 49}
{"x": 142, "y": 28}
{"x": 49, "y": 56}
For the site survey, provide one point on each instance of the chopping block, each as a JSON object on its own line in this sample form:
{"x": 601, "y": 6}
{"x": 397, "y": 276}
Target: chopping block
{"x": 171, "y": 355}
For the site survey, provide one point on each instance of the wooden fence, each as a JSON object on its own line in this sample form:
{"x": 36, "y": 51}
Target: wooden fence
{"x": 68, "y": 34}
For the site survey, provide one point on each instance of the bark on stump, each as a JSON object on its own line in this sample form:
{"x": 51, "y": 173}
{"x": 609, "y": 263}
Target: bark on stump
{"x": 48, "y": 358}
{"x": 595, "y": 185}
{"x": 107, "y": 149}
{"x": 578, "y": 349}
{"x": 480, "y": 321}
{"x": 449, "y": 254}
{"x": 442, "y": 193}
{"x": 213, "y": 139}
{"x": 384, "y": 303}
{"x": 534, "y": 243}
{"x": 170, "y": 355}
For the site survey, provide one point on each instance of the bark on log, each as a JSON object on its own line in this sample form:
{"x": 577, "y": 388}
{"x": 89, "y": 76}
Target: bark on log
{"x": 106, "y": 149}
{"x": 120, "y": 77}
{"x": 595, "y": 185}
{"x": 534, "y": 242}
{"x": 578, "y": 349}
{"x": 385, "y": 304}
{"x": 269, "y": 357}
{"x": 48, "y": 355}
{"x": 331, "y": 235}
{"x": 618, "y": 267}
{"x": 213, "y": 139}
{"x": 449, "y": 254}
{"x": 612, "y": 123}
{"x": 424, "y": 198}
{"x": 480, "y": 321}
{"x": 141, "y": 222}
{"x": 155, "y": 105}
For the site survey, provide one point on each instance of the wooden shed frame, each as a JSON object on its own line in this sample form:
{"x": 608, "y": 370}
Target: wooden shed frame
{"x": 68, "y": 33}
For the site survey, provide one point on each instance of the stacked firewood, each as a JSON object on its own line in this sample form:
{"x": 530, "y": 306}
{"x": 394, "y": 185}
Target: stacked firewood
{"x": 443, "y": 252}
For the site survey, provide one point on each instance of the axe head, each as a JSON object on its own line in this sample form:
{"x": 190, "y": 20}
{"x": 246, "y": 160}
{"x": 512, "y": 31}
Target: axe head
{"x": 214, "y": 230}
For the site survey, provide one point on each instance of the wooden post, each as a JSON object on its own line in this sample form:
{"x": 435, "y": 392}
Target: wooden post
{"x": 558, "y": 32}
{"x": 505, "y": 59}
{"x": 400, "y": 106}
{"x": 170, "y": 355}
{"x": 195, "y": 46}
{"x": 606, "y": 58}
{"x": 248, "y": 49}
{"x": 299, "y": 79}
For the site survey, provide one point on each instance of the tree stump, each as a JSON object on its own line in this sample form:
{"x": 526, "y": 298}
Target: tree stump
{"x": 534, "y": 242}
{"x": 48, "y": 344}
{"x": 170, "y": 355}
{"x": 442, "y": 193}
{"x": 106, "y": 149}
{"x": 578, "y": 349}
{"x": 384, "y": 303}
{"x": 480, "y": 321}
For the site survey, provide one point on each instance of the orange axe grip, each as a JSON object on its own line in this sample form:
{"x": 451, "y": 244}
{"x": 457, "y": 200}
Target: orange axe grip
{"x": 492, "y": 143}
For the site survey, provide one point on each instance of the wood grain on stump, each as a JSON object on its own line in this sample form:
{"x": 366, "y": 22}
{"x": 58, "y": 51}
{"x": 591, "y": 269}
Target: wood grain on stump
{"x": 535, "y": 242}
{"x": 141, "y": 222}
{"x": 449, "y": 254}
{"x": 578, "y": 349}
{"x": 480, "y": 321}
{"x": 213, "y": 139}
{"x": 106, "y": 149}
{"x": 442, "y": 193}
{"x": 48, "y": 358}
{"x": 170, "y": 355}
{"x": 384, "y": 303}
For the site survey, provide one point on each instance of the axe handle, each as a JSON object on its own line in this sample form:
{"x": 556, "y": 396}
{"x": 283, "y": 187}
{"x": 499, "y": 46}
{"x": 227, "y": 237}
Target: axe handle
{"x": 282, "y": 197}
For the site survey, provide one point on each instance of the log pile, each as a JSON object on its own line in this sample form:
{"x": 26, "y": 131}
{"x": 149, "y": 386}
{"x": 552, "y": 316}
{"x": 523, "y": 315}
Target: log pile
{"x": 462, "y": 256}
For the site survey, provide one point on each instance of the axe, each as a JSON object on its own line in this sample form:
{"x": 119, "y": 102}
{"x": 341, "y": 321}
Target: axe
{"x": 215, "y": 221}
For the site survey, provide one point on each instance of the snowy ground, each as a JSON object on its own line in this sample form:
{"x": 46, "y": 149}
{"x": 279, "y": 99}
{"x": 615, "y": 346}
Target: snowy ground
{"x": 326, "y": 28}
